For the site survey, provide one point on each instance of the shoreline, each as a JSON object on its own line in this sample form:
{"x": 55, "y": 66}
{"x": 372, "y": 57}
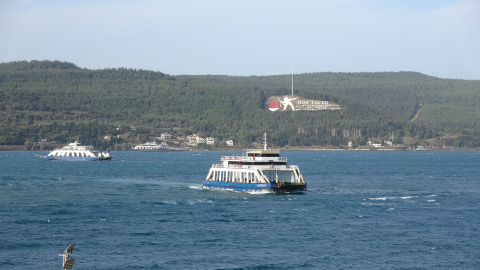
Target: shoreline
{"x": 12, "y": 148}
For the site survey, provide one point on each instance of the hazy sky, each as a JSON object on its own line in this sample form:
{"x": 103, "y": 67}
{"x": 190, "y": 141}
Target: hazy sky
{"x": 435, "y": 37}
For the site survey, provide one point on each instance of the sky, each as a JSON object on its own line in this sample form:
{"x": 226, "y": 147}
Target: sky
{"x": 439, "y": 38}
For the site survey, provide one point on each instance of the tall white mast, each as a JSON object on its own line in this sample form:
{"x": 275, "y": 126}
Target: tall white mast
{"x": 265, "y": 140}
{"x": 292, "y": 80}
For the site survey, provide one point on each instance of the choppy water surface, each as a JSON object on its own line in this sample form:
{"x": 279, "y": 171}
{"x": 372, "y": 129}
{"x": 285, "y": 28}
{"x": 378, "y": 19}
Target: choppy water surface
{"x": 375, "y": 210}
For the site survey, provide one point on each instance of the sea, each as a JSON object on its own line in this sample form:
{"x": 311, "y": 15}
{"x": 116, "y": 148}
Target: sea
{"x": 362, "y": 210}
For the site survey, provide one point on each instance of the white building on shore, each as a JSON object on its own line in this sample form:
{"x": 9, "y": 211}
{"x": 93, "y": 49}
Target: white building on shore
{"x": 210, "y": 140}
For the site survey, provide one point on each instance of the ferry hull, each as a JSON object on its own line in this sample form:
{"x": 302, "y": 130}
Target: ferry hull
{"x": 77, "y": 158}
{"x": 239, "y": 187}
{"x": 267, "y": 188}
{"x": 289, "y": 187}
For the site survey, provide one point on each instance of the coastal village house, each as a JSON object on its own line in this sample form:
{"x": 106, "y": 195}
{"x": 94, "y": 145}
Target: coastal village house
{"x": 193, "y": 136}
{"x": 201, "y": 140}
{"x": 230, "y": 143}
{"x": 165, "y": 136}
{"x": 107, "y": 137}
{"x": 182, "y": 139}
{"x": 121, "y": 136}
{"x": 195, "y": 139}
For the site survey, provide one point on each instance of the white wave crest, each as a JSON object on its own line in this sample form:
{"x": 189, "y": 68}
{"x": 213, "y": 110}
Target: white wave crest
{"x": 380, "y": 199}
{"x": 371, "y": 203}
{"x": 170, "y": 202}
{"x": 257, "y": 192}
{"x": 199, "y": 201}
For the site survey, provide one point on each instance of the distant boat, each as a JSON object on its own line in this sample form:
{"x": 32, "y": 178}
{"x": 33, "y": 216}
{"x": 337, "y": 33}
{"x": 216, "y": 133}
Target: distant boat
{"x": 77, "y": 152}
{"x": 260, "y": 170}
{"x": 152, "y": 147}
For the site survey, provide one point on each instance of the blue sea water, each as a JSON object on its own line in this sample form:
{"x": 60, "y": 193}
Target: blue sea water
{"x": 362, "y": 210}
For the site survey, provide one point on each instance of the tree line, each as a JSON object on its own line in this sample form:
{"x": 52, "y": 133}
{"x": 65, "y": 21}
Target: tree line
{"x": 36, "y": 95}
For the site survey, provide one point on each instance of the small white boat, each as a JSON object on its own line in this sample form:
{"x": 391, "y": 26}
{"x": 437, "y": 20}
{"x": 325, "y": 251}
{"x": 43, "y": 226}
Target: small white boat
{"x": 152, "y": 147}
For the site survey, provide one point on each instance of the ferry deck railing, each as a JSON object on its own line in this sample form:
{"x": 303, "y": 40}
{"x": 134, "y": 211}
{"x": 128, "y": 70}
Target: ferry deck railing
{"x": 261, "y": 167}
{"x": 245, "y": 158}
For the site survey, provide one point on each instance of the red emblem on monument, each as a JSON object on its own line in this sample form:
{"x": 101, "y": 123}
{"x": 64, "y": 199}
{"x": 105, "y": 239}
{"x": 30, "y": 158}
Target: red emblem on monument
{"x": 273, "y": 106}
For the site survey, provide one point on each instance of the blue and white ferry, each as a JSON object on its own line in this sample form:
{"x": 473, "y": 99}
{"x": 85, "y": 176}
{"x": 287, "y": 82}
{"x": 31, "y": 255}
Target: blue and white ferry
{"x": 77, "y": 152}
{"x": 259, "y": 170}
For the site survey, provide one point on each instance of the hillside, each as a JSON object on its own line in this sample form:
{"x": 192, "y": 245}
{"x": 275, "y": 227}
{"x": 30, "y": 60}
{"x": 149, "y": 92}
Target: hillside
{"x": 446, "y": 104}
{"x": 40, "y": 99}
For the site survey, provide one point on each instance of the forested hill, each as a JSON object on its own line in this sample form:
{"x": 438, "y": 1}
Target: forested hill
{"x": 58, "y": 100}
{"x": 446, "y": 104}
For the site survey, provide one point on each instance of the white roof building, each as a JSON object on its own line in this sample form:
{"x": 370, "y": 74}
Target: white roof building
{"x": 164, "y": 136}
{"x": 210, "y": 140}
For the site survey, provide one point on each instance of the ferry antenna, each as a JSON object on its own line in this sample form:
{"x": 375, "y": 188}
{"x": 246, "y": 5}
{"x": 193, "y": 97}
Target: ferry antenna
{"x": 265, "y": 141}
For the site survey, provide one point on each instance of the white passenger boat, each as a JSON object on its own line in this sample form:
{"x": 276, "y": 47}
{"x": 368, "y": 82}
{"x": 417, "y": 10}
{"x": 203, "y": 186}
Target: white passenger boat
{"x": 152, "y": 147}
{"x": 77, "y": 152}
{"x": 260, "y": 170}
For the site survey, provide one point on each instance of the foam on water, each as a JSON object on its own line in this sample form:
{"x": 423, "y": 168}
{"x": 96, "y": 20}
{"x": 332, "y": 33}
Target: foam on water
{"x": 258, "y": 192}
{"x": 381, "y": 198}
{"x": 407, "y": 197}
{"x": 170, "y": 202}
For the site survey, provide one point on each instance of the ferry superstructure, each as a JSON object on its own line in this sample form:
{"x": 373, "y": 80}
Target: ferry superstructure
{"x": 259, "y": 170}
{"x": 78, "y": 152}
{"x": 152, "y": 147}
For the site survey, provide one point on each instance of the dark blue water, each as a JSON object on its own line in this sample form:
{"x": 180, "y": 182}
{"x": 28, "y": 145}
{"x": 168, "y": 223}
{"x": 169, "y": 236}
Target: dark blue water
{"x": 363, "y": 210}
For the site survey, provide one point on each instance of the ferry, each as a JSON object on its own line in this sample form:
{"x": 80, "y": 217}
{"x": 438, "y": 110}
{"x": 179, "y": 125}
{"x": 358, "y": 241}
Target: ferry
{"x": 77, "y": 152}
{"x": 259, "y": 170}
{"x": 152, "y": 147}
